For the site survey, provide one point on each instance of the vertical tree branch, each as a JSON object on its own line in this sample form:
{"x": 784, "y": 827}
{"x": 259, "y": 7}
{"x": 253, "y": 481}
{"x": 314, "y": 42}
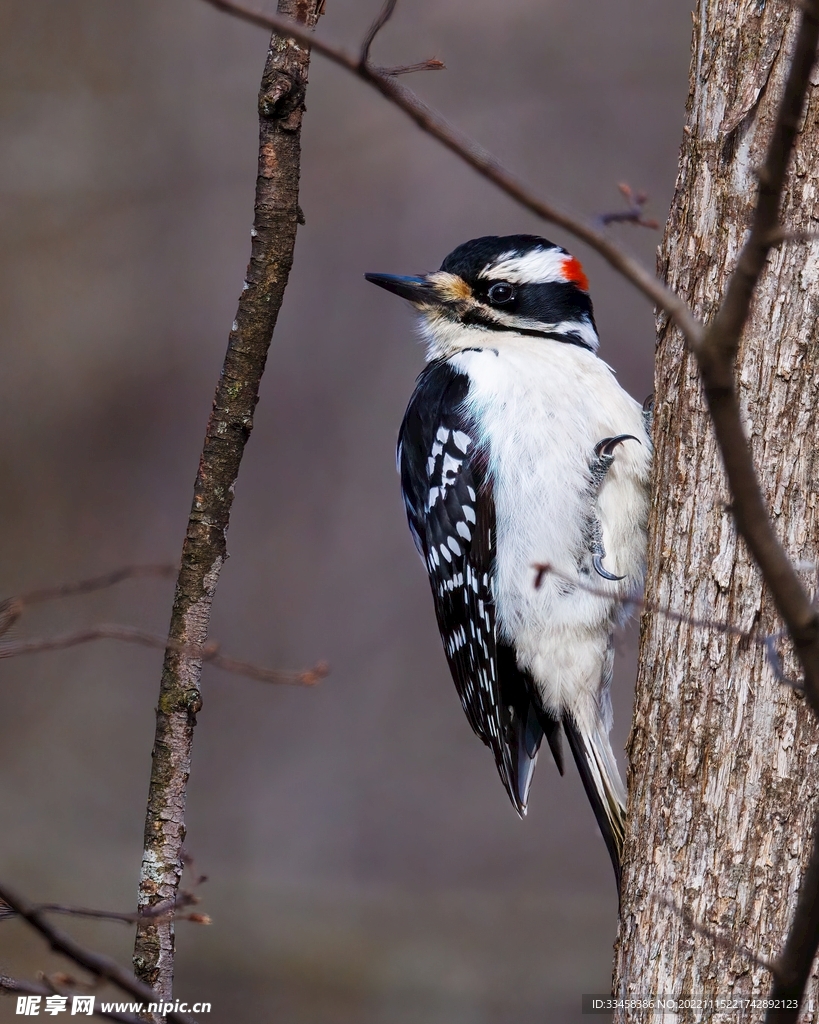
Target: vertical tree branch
{"x": 203, "y": 554}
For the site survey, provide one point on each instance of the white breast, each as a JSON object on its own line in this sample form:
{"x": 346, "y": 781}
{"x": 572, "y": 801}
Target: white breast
{"x": 542, "y": 406}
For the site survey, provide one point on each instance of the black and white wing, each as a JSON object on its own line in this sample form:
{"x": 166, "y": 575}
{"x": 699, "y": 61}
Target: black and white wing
{"x": 447, "y": 490}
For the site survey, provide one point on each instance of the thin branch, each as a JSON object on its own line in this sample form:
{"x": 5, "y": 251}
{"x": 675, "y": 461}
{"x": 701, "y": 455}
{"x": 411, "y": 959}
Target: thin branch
{"x": 633, "y": 214}
{"x": 487, "y": 166}
{"x": 638, "y": 602}
{"x": 776, "y": 663}
{"x": 275, "y": 221}
{"x": 721, "y": 939}
{"x": 305, "y": 677}
{"x": 160, "y": 911}
{"x": 97, "y": 964}
{"x": 384, "y": 16}
{"x": 208, "y": 652}
{"x": 781, "y": 235}
{"x": 433, "y": 64}
{"x": 10, "y": 612}
{"x": 543, "y": 569}
{"x": 29, "y": 988}
{"x": 12, "y": 607}
{"x": 94, "y": 583}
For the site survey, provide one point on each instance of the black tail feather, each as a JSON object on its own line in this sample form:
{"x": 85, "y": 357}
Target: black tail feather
{"x": 554, "y": 734}
{"x": 607, "y": 810}
{"x": 522, "y": 728}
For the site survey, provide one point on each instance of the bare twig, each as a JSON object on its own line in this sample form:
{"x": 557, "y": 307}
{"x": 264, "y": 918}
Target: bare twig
{"x": 10, "y": 612}
{"x": 721, "y": 939}
{"x": 30, "y": 988}
{"x": 185, "y": 898}
{"x": 12, "y": 607}
{"x": 98, "y": 965}
{"x": 487, "y": 166}
{"x": 156, "y": 912}
{"x": 94, "y": 583}
{"x": 276, "y": 216}
{"x": 208, "y": 652}
{"x": 305, "y": 677}
{"x": 633, "y": 214}
{"x": 781, "y": 235}
{"x": 776, "y": 663}
{"x": 384, "y": 16}
{"x": 638, "y": 602}
{"x": 27, "y": 987}
{"x": 432, "y": 64}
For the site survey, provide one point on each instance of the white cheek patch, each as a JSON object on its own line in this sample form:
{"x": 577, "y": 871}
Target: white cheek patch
{"x": 541, "y": 266}
{"x": 583, "y": 329}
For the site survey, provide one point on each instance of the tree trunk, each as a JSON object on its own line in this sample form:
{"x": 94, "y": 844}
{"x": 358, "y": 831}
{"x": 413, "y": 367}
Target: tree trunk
{"x": 723, "y": 785}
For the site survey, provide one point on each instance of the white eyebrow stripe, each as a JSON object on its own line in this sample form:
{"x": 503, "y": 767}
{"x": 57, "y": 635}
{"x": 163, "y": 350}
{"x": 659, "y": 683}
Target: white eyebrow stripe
{"x": 540, "y": 266}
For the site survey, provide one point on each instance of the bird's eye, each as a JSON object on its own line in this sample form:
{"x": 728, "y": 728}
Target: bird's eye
{"x": 501, "y": 293}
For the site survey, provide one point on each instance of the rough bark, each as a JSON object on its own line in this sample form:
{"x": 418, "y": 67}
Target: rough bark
{"x": 723, "y": 785}
{"x": 273, "y": 238}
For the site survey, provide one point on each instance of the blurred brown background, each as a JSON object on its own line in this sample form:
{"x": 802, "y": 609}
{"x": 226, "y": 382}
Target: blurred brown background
{"x": 365, "y": 864}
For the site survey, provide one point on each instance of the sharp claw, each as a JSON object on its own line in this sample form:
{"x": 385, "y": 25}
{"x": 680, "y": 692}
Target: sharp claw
{"x": 597, "y": 562}
{"x": 608, "y": 444}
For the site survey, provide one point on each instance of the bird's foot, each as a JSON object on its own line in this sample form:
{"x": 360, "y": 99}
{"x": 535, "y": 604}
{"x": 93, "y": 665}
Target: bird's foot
{"x": 600, "y": 465}
{"x": 600, "y": 569}
{"x": 604, "y": 457}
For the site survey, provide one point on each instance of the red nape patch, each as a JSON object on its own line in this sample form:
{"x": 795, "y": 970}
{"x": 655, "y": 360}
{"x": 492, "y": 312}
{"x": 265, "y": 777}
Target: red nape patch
{"x": 573, "y": 271}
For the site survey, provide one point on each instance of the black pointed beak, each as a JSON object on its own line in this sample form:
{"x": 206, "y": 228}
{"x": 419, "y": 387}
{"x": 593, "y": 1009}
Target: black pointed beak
{"x": 416, "y": 289}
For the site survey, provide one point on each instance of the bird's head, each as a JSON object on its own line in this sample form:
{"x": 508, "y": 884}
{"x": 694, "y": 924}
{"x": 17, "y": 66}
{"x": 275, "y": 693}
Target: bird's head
{"x": 500, "y": 288}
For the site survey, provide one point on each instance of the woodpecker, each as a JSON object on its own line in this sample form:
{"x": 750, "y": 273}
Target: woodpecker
{"x": 519, "y": 448}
